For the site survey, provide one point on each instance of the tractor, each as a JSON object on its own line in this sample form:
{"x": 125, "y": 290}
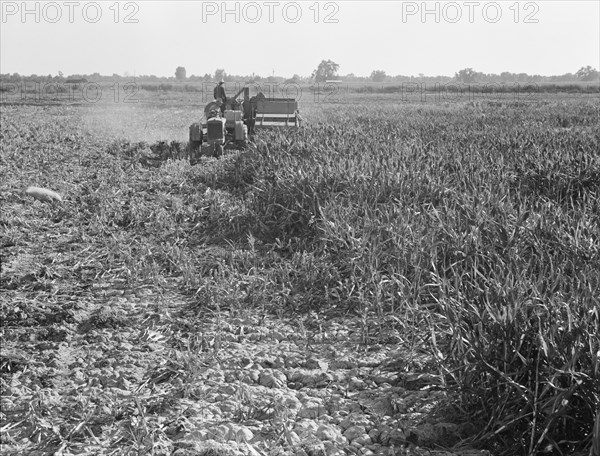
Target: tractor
{"x": 231, "y": 128}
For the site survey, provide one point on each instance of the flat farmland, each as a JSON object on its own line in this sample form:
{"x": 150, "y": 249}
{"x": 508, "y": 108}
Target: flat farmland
{"x": 398, "y": 276}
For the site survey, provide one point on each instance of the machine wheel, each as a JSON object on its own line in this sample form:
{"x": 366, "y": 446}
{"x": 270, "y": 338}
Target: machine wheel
{"x": 218, "y": 151}
{"x": 194, "y": 147}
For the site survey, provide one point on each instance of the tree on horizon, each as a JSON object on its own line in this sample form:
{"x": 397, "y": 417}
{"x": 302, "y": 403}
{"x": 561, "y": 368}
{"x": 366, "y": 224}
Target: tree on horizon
{"x": 180, "y": 73}
{"x": 327, "y": 70}
{"x": 378, "y": 75}
{"x": 587, "y": 73}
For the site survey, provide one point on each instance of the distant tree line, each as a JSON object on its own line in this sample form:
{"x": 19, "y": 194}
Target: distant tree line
{"x": 468, "y": 75}
{"x": 327, "y": 70}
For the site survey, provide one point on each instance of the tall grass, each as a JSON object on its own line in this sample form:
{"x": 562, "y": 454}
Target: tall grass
{"x": 485, "y": 224}
{"x": 474, "y": 229}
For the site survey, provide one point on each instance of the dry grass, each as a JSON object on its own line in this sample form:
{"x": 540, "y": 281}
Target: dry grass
{"x": 472, "y": 232}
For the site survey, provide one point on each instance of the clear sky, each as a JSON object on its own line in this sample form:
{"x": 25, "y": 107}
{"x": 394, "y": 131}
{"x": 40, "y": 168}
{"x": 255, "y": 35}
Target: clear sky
{"x": 285, "y": 37}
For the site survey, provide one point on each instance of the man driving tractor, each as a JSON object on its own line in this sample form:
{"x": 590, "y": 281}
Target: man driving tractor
{"x": 219, "y": 93}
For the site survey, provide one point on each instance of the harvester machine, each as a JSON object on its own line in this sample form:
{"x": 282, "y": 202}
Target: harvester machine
{"x": 234, "y": 126}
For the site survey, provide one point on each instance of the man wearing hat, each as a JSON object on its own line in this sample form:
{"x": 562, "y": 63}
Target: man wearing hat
{"x": 219, "y": 92}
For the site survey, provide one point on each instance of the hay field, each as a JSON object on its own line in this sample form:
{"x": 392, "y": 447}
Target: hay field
{"x": 458, "y": 241}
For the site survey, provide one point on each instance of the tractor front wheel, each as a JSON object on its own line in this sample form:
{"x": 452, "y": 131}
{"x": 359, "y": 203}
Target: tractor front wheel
{"x": 194, "y": 146}
{"x": 218, "y": 150}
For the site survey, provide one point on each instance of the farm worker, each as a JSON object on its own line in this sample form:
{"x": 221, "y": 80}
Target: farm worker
{"x": 219, "y": 92}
